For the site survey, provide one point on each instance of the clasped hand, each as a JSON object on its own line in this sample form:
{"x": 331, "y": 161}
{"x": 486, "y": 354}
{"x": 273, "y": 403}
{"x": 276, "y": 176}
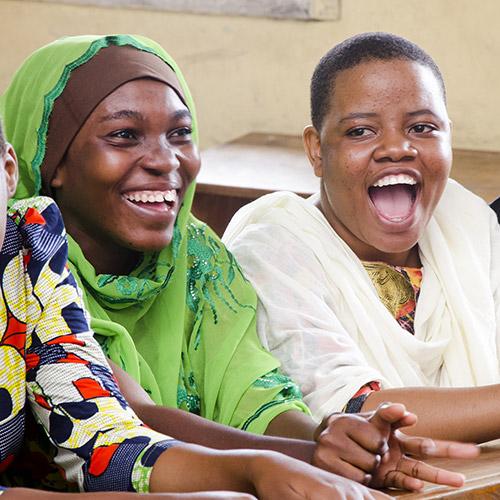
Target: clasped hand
{"x": 369, "y": 448}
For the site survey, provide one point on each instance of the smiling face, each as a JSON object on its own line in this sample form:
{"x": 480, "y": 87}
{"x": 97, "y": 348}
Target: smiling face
{"x": 122, "y": 181}
{"x": 384, "y": 155}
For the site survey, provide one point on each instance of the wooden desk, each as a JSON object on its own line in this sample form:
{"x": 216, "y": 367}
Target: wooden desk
{"x": 238, "y": 172}
{"x": 482, "y": 477}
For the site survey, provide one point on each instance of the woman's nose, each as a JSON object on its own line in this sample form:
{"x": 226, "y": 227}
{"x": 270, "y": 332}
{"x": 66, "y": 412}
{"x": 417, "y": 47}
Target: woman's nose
{"x": 160, "y": 157}
{"x": 395, "y": 146}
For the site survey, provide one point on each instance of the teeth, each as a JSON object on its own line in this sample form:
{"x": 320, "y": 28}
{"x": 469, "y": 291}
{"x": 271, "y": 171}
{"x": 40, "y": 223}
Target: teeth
{"x": 170, "y": 195}
{"x": 391, "y": 180}
{"x": 152, "y": 196}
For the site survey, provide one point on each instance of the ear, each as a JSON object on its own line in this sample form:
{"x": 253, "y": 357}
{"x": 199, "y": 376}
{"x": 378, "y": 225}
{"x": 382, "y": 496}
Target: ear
{"x": 57, "y": 180}
{"x": 10, "y": 170}
{"x": 312, "y": 145}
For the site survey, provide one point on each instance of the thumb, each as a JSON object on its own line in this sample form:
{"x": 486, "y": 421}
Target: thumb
{"x": 392, "y": 414}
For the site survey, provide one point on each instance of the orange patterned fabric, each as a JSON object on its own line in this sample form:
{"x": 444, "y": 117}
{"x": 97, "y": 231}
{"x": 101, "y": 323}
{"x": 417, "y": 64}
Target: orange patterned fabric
{"x": 398, "y": 289}
{"x": 50, "y": 362}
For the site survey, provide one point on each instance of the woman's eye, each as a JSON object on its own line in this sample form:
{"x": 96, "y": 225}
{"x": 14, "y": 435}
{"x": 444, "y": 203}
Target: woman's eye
{"x": 422, "y": 128}
{"x": 181, "y": 132}
{"x": 127, "y": 134}
{"x": 359, "y": 132}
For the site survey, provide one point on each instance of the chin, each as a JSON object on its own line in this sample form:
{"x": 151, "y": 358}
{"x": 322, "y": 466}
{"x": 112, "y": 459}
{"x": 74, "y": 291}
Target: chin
{"x": 396, "y": 246}
{"x": 150, "y": 243}
{"x": 153, "y": 246}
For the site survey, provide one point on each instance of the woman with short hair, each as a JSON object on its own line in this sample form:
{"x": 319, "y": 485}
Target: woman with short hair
{"x": 386, "y": 284}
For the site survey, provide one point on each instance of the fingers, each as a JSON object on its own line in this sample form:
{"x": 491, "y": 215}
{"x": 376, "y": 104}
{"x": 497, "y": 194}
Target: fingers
{"x": 354, "y": 439}
{"x": 396, "y": 479}
{"x": 336, "y": 465}
{"x": 408, "y": 420}
{"x": 394, "y": 414}
{"x": 425, "y": 447}
{"x": 369, "y": 438}
{"x": 424, "y": 472}
{"x": 345, "y": 429}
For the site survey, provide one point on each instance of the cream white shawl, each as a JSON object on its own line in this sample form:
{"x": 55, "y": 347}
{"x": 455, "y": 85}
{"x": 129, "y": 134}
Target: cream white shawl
{"x": 320, "y": 314}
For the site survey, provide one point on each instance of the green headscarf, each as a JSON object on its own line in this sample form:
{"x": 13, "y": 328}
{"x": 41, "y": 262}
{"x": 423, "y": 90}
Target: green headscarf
{"x": 183, "y": 322}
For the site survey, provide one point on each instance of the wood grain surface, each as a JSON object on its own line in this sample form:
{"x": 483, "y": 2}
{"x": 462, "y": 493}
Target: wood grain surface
{"x": 482, "y": 477}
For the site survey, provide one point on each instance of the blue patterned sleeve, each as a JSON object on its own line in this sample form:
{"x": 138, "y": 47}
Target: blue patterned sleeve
{"x": 101, "y": 444}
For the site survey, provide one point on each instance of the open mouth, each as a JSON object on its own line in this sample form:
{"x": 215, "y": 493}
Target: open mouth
{"x": 394, "y": 196}
{"x": 159, "y": 200}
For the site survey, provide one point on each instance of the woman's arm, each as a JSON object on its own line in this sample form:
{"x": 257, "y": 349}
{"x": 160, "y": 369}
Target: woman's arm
{"x": 334, "y": 452}
{"x": 191, "y": 428}
{"x": 268, "y": 475}
{"x": 101, "y": 442}
{"x": 459, "y": 414}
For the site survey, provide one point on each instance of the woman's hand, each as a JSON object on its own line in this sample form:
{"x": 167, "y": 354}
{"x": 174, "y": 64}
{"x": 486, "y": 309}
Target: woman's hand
{"x": 268, "y": 475}
{"x": 298, "y": 480}
{"x": 398, "y": 470}
{"x": 369, "y": 449}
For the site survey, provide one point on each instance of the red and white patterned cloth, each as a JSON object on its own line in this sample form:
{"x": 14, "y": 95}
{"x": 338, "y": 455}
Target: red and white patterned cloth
{"x": 50, "y": 361}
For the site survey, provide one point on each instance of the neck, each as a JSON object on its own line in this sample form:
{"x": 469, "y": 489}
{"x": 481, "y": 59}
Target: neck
{"x": 409, "y": 258}
{"x": 365, "y": 252}
{"x": 114, "y": 260}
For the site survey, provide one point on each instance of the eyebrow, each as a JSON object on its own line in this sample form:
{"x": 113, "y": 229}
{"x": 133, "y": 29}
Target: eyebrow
{"x": 123, "y": 113}
{"x": 422, "y": 112}
{"x": 352, "y": 116}
{"x": 129, "y": 113}
{"x": 419, "y": 112}
{"x": 182, "y": 113}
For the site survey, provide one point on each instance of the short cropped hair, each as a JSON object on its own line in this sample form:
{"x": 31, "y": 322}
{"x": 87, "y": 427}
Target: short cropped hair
{"x": 3, "y": 142}
{"x": 356, "y": 50}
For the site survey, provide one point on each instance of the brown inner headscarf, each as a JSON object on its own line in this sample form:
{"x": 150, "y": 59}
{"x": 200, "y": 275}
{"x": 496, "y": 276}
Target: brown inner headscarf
{"x": 88, "y": 85}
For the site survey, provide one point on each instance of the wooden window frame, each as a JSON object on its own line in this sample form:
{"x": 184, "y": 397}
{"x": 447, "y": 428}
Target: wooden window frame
{"x": 281, "y": 9}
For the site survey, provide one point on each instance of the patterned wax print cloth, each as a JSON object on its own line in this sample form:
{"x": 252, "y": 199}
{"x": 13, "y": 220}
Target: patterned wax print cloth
{"x": 398, "y": 288}
{"x": 51, "y": 365}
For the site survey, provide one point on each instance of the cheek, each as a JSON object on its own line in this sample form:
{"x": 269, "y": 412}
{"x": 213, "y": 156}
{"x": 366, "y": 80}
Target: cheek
{"x": 191, "y": 165}
{"x": 438, "y": 160}
{"x": 90, "y": 167}
{"x": 345, "y": 173}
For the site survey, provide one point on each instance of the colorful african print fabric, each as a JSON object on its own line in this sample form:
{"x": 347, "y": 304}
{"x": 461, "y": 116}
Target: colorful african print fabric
{"x": 50, "y": 361}
{"x": 398, "y": 289}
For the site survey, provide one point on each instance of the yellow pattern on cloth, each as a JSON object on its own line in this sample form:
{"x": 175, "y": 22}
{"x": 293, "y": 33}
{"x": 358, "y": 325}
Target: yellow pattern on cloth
{"x": 398, "y": 289}
{"x": 52, "y": 369}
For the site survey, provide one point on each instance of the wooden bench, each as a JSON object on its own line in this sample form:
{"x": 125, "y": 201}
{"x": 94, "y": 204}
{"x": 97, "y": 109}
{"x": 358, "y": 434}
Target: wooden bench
{"x": 240, "y": 171}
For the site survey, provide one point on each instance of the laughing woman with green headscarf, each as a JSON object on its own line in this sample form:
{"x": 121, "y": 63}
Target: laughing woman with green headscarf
{"x": 168, "y": 302}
